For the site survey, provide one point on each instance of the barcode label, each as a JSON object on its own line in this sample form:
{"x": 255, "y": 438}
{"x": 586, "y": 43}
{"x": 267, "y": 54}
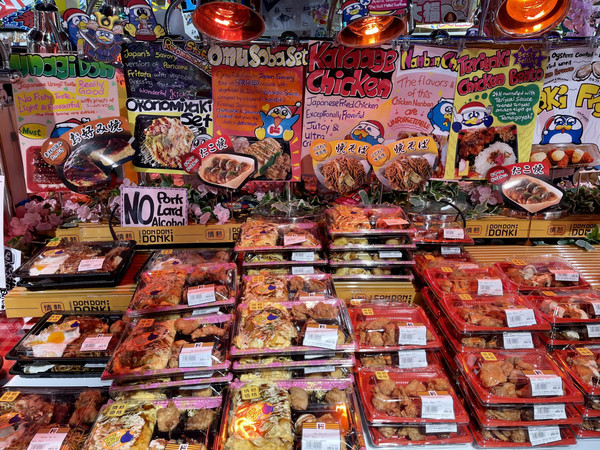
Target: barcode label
{"x": 49, "y": 439}
{"x": 489, "y": 286}
{"x": 454, "y": 233}
{"x": 320, "y": 436}
{"x": 543, "y": 384}
{"x": 90, "y": 264}
{"x": 205, "y": 311}
{"x": 596, "y": 306}
{"x": 411, "y": 334}
{"x": 303, "y": 256}
{"x": 411, "y": 359}
{"x": 390, "y": 254}
{"x": 593, "y": 330}
{"x": 450, "y": 251}
{"x": 323, "y": 336}
{"x": 513, "y": 341}
{"x": 520, "y": 317}
{"x": 97, "y": 343}
{"x": 544, "y": 435}
{"x": 200, "y": 295}
{"x": 94, "y": 366}
{"x": 549, "y": 412}
{"x": 440, "y": 428}
{"x": 303, "y": 270}
{"x": 318, "y": 369}
{"x": 196, "y": 355}
{"x": 565, "y": 275}
{"x": 293, "y": 239}
{"x": 434, "y": 406}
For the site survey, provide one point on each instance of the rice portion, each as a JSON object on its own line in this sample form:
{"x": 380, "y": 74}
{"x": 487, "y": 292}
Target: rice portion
{"x": 497, "y": 154}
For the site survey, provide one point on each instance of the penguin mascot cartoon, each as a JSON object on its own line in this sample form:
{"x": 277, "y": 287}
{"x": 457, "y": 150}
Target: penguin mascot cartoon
{"x": 562, "y": 129}
{"x": 440, "y": 116}
{"x": 472, "y": 115}
{"x": 354, "y": 9}
{"x": 369, "y": 131}
{"x": 142, "y": 23}
{"x": 277, "y": 122}
{"x": 72, "y": 20}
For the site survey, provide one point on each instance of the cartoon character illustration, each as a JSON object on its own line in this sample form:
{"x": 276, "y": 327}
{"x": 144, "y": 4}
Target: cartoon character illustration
{"x": 73, "y": 21}
{"x": 440, "y": 115}
{"x": 472, "y": 115}
{"x": 62, "y": 127}
{"x": 354, "y": 9}
{"x": 369, "y": 131}
{"x": 278, "y": 122}
{"x": 103, "y": 36}
{"x": 142, "y": 23}
{"x": 562, "y": 129}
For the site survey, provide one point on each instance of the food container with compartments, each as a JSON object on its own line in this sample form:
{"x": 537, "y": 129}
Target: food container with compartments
{"x": 381, "y": 258}
{"x": 291, "y": 414}
{"x": 466, "y": 284}
{"x": 287, "y": 328}
{"x": 386, "y": 329}
{"x": 394, "y": 397}
{"x": 283, "y": 288}
{"x": 544, "y": 273}
{"x": 503, "y": 377}
{"x": 368, "y": 242}
{"x": 358, "y": 221}
{"x": 257, "y": 235}
{"x": 176, "y": 290}
{"x": 67, "y": 265}
{"x": 156, "y": 347}
{"x": 520, "y": 437}
{"x": 441, "y": 233}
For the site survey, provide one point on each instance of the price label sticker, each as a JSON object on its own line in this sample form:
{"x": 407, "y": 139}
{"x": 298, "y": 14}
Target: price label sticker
{"x": 96, "y": 343}
{"x": 519, "y": 317}
{"x": 94, "y": 366}
{"x": 9, "y": 396}
{"x": 145, "y": 323}
{"x": 549, "y": 411}
{"x": 446, "y": 269}
{"x": 412, "y": 334}
{"x": 436, "y": 406}
{"x": 515, "y": 341}
{"x": 367, "y": 312}
{"x": 593, "y": 330}
{"x": 319, "y": 369}
{"x": 382, "y": 375}
{"x": 447, "y": 251}
{"x": 303, "y": 270}
{"x": 584, "y": 351}
{"x": 321, "y": 436}
{"x": 256, "y": 306}
{"x": 303, "y": 256}
{"x": 565, "y": 275}
{"x": 390, "y": 254}
{"x": 86, "y": 265}
{"x": 518, "y": 262}
{"x": 250, "y": 392}
{"x": 205, "y": 311}
{"x": 394, "y": 221}
{"x": 312, "y": 297}
{"x": 429, "y": 257}
{"x": 412, "y": 359}
{"x": 488, "y": 356}
{"x": 54, "y": 318}
{"x": 596, "y": 307}
{"x": 355, "y": 301}
{"x": 258, "y": 279}
{"x": 465, "y": 297}
{"x": 199, "y": 295}
{"x": 431, "y": 428}
{"x": 454, "y": 233}
{"x": 543, "y": 435}
{"x": 48, "y": 439}
{"x": 166, "y": 252}
{"x": 53, "y": 243}
{"x": 115, "y": 410}
{"x": 293, "y": 239}
{"x": 322, "y": 336}
{"x": 544, "y": 383}
{"x": 196, "y": 355}
{"x": 489, "y": 286}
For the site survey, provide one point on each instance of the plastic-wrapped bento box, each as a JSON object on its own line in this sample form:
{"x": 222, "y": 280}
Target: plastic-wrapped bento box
{"x": 519, "y": 437}
{"x": 175, "y": 290}
{"x": 169, "y": 346}
{"x": 64, "y": 265}
{"x": 385, "y": 329}
{"x": 207, "y": 385}
{"x": 581, "y": 363}
{"x": 291, "y": 414}
{"x": 283, "y": 288}
{"x": 382, "y": 258}
{"x": 421, "y": 434}
{"x": 564, "y": 307}
{"x": 447, "y": 256}
{"x": 441, "y": 233}
{"x": 282, "y": 363}
{"x": 360, "y": 221}
{"x": 44, "y": 369}
{"x": 507, "y": 377}
{"x": 390, "y": 397}
{"x": 384, "y": 273}
{"x": 287, "y": 259}
{"x": 465, "y": 284}
{"x": 263, "y": 236}
{"x": 368, "y": 242}
{"x": 292, "y": 327}
{"x": 546, "y": 273}
{"x": 307, "y": 373}
{"x": 577, "y": 334}
{"x": 185, "y": 258}
{"x": 407, "y": 360}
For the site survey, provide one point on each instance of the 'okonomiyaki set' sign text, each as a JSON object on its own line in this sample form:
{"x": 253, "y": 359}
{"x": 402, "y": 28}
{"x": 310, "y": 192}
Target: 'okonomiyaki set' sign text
{"x": 153, "y": 207}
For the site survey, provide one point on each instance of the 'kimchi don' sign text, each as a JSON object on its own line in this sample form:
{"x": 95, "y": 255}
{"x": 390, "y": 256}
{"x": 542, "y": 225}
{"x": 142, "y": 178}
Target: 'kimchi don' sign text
{"x": 153, "y": 207}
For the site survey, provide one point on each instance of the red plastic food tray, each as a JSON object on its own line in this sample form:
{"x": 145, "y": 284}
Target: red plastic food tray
{"x": 567, "y": 439}
{"x": 462, "y": 284}
{"x": 581, "y": 363}
{"x": 435, "y": 260}
{"x": 557, "y": 308}
{"x": 544, "y": 278}
{"x": 462, "y": 436}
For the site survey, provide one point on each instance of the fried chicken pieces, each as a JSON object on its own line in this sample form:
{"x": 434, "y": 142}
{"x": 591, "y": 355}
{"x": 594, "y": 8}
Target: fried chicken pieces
{"x": 381, "y": 332}
{"x": 506, "y": 378}
{"x": 397, "y": 400}
{"x": 587, "y": 368}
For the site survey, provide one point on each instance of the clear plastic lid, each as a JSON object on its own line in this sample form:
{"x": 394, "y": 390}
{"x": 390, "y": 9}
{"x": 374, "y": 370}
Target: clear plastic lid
{"x": 466, "y": 284}
{"x": 446, "y": 256}
{"x": 428, "y": 434}
{"x": 383, "y": 258}
{"x": 567, "y": 308}
{"x": 343, "y": 220}
{"x": 283, "y": 288}
{"x": 582, "y": 364}
{"x": 257, "y": 235}
{"x": 352, "y": 273}
{"x": 444, "y": 233}
{"x": 284, "y": 259}
{"x": 577, "y": 334}
{"x": 414, "y": 360}
{"x": 186, "y": 258}
{"x": 520, "y": 437}
{"x": 368, "y": 242}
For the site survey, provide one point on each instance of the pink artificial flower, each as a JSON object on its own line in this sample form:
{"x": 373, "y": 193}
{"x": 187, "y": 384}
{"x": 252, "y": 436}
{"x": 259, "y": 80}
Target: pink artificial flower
{"x": 17, "y": 227}
{"x": 33, "y": 207}
{"x": 55, "y": 220}
{"x": 83, "y": 212}
{"x": 260, "y": 195}
{"x": 221, "y": 213}
{"x": 128, "y": 182}
{"x": 20, "y": 211}
{"x": 31, "y": 219}
{"x": 204, "y": 218}
{"x": 195, "y": 210}
{"x": 44, "y": 226}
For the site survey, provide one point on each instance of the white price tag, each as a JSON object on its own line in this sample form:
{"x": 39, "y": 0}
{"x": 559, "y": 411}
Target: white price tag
{"x": 195, "y": 376}
{"x": 411, "y": 359}
{"x": 519, "y": 317}
{"x": 311, "y": 297}
{"x": 196, "y": 355}
{"x": 391, "y": 254}
{"x": 454, "y": 233}
{"x": 412, "y": 334}
{"x": 435, "y": 406}
{"x": 321, "y": 436}
{"x": 303, "y": 270}
{"x": 549, "y": 411}
{"x": 544, "y": 383}
{"x": 48, "y": 439}
{"x": 198, "y": 295}
{"x": 205, "y": 311}
{"x": 318, "y": 369}
{"x": 565, "y": 275}
{"x": 440, "y": 428}
{"x": 596, "y": 306}
{"x": 593, "y": 330}
{"x": 514, "y": 341}
{"x": 450, "y": 251}
{"x": 489, "y": 286}
{"x": 94, "y": 366}
{"x": 293, "y": 239}
{"x": 543, "y": 435}
{"x": 96, "y": 344}
{"x": 317, "y": 356}
{"x": 322, "y": 336}
{"x": 90, "y": 264}
{"x": 303, "y": 256}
